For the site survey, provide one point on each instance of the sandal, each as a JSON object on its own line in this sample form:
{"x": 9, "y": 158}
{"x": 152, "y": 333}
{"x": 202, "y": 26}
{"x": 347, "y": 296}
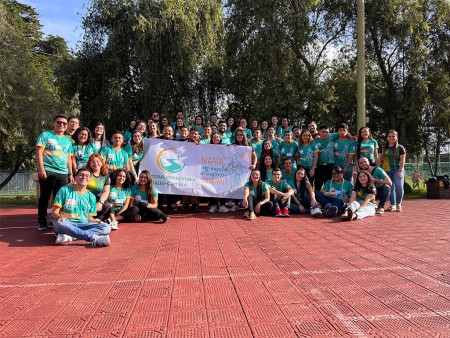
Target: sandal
{"x": 246, "y": 214}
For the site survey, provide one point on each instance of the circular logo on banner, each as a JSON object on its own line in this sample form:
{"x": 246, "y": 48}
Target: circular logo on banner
{"x": 169, "y": 161}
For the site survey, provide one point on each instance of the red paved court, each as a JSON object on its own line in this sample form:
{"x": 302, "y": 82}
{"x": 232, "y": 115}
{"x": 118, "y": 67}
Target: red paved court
{"x": 224, "y": 276}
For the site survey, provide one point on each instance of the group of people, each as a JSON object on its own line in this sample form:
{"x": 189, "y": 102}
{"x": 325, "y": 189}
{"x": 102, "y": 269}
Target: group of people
{"x": 97, "y": 183}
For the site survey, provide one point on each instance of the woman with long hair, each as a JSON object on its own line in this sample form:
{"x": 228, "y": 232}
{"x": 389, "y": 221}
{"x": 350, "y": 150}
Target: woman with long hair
{"x": 100, "y": 184}
{"x": 306, "y": 154}
{"x": 127, "y": 134}
{"x": 119, "y": 198}
{"x": 272, "y": 137}
{"x": 392, "y": 160}
{"x": 304, "y": 200}
{"x": 153, "y": 130}
{"x": 264, "y": 127}
{"x": 268, "y": 150}
{"x": 99, "y": 136}
{"x": 288, "y": 149}
{"x": 81, "y": 149}
{"x": 198, "y": 124}
{"x": 367, "y": 146}
{"x": 135, "y": 149}
{"x": 241, "y": 140}
{"x": 256, "y": 196}
{"x": 179, "y": 123}
{"x": 217, "y": 204}
{"x": 362, "y": 202}
{"x": 267, "y": 168}
{"x": 141, "y": 126}
{"x": 145, "y": 197}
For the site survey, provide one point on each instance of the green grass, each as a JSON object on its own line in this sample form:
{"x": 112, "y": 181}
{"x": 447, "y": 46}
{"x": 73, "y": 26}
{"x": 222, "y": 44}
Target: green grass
{"x": 17, "y": 201}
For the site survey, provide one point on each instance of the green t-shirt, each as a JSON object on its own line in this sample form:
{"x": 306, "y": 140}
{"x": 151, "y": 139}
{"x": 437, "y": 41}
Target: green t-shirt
{"x": 367, "y": 149}
{"x": 142, "y": 196}
{"x": 115, "y": 159}
{"x": 325, "y": 148}
{"x": 74, "y": 206}
{"x": 289, "y": 179}
{"x": 82, "y": 153}
{"x": 391, "y": 163}
{"x": 281, "y": 187}
{"x": 342, "y": 149}
{"x": 362, "y": 193}
{"x": 283, "y": 131}
{"x": 257, "y": 147}
{"x": 203, "y": 141}
{"x": 118, "y": 197}
{"x": 288, "y": 151}
{"x": 253, "y": 189}
{"x": 97, "y": 184}
{"x": 56, "y": 151}
{"x": 135, "y": 156}
{"x": 297, "y": 191}
{"x": 378, "y": 174}
{"x": 343, "y": 190}
{"x": 307, "y": 155}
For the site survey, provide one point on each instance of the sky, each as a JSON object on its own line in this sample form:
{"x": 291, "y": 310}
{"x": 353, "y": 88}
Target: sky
{"x": 60, "y": 17}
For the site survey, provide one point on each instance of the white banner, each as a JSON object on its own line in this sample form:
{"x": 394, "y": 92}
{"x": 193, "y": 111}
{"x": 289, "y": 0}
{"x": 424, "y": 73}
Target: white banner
{"x": 185, "y": 168}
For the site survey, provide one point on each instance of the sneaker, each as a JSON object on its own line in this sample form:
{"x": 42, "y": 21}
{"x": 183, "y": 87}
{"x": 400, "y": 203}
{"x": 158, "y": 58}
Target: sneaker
{"x": 114, "y": 225}
{"x": 167, "y": 219}
{"x": 350, "y": 214}
{"x": 392, "y": 208}
{"x": 195, "y": 207}
{"x": 399, "y": 208}
{"x": 42, "y": 225}
{"x": 234, "y": 208}
{"x": 101, "y": 240}
{"x": 223, "y": 208}
{"x": 344, "y": 215}
{"x": 137, "y": 218}
{"x": 316, "y": 212}
{"x": 330, "y": 212}
{"x": 63, "y": 238}
{"x": 285, "y": 212}
{"x": 213, "y": 208}
{"x": 380, "y": 211}
{"x": 278, "y": 212}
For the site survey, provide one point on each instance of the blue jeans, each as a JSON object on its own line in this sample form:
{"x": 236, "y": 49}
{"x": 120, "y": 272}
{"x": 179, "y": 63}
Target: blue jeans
{"x": 324, "y": 200}
{"x": 85, "y": 231}
{"x": 305, "y": 202}
{"x": 397, "y": 190}
{"x": 367, "y": 211}
{"x": 383, "y": 192}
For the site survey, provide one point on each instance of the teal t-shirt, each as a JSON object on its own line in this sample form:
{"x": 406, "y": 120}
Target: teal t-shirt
{"x": 257, "y": 147}
{"x": 199, "y": 128}
{"x": 115, "y": 159}
{"x": 289, "y": 179}
{"x": 343, "y": 148}
{"x": 343, "y": 190}
{"x": 283, "y": 131}
{"x": 253, "y": 189}
{"x": 74, "y": 206}
{"x": 118, "y": 197}
{"x": 82, "y": 153}
{"x": 56, "y": 151}
{"x": 142, "y": 196}
{"x": 225, "y": 139}
{"x": 325, "y": 148}
{"x": 367, "y": 149}
{"x": 281, "y": 187}
{"x": 297, "y": 191}
{"x": 379, "y": 174}
{"x": 288, "y": 151}
{"x": 203, "y": 141}
{"x": 306, "y": 153}
{"x": 136, "y": 157}
{"x": 127, "y": 136}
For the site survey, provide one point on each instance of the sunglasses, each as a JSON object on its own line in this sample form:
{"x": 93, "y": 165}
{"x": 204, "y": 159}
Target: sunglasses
{"x": 61, "y": 123}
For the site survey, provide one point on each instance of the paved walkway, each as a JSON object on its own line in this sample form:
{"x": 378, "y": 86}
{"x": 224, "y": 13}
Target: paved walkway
{"x": 224, "y": 276}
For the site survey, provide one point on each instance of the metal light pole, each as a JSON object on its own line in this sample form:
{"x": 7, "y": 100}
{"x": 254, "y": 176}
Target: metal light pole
{"x": 361, "y": 70}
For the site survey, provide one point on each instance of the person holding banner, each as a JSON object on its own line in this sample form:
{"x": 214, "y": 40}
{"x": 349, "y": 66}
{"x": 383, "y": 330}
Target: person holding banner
{"x": 256, "y": 196}
{"x": 145, "y": 197}
{"x": 217, "y": 203}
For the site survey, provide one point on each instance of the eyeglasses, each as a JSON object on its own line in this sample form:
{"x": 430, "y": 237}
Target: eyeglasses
{"x": 84, "y": 175}
{"x": 61, "y": 123}
{"x": 239, "y": 134}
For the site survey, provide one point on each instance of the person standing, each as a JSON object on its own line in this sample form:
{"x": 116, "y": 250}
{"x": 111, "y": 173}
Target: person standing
{"x": 73, "y": 123}
{"x": 52, "y": 157}
{"x": 73, "y": 213}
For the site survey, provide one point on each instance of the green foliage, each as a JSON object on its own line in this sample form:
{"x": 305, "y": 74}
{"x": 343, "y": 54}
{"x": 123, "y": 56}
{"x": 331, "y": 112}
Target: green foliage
{"x": 29, "y": 93}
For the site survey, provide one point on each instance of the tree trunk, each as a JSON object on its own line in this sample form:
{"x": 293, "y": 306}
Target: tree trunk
{"x": 14, "y": 170}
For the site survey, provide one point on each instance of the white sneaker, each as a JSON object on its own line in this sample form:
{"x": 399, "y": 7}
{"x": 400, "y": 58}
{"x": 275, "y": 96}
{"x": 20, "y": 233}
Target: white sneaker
{"x": 101, "y": 240}
{"x": 63, "y": 238}
{"x": 213, "y": 208}
{"x": 316, "y": 212}
{"x": 223, "y": 208}
{"x": 234, "y": 208}
{"x": 114, "y": 225}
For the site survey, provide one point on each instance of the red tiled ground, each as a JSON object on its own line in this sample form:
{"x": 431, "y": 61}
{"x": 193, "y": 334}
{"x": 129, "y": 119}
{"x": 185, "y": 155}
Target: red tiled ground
{"x": 224, "y": 276}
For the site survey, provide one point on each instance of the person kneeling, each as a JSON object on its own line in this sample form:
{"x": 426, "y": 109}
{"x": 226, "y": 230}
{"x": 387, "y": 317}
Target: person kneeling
{"x": 362, "y": 202}
{"x": 73, "y": 213}
{"x": 256, "y": 196}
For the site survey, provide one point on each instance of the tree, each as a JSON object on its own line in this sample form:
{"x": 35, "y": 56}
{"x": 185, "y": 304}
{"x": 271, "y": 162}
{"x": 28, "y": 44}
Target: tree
{"x": 28, "y": 92}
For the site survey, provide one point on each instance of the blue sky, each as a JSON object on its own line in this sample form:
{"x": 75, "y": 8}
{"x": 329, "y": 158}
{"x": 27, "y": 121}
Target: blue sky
{"x": 60, "y": 17}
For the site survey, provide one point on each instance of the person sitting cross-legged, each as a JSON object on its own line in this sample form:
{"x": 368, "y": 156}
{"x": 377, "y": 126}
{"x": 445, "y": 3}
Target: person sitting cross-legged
{"x": 280, "y": 193}
{"x": 73, "y": 213}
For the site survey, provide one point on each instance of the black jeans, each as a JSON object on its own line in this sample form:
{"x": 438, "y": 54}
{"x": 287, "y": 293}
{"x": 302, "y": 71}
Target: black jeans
{"x": 128, "y": 215}
{"x": 322, "y": 174}
{"x": 265, "y": 209}
{"x": 150, "y": 214}
{"x": 51, "y": 185}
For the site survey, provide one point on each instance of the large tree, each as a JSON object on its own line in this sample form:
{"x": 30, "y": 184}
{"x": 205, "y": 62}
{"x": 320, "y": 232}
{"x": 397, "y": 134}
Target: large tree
{"x": 29, "y": 93}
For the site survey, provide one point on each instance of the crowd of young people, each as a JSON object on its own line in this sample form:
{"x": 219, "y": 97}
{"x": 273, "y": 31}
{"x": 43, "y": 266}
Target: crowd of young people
{"x": 96, "y": 186}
